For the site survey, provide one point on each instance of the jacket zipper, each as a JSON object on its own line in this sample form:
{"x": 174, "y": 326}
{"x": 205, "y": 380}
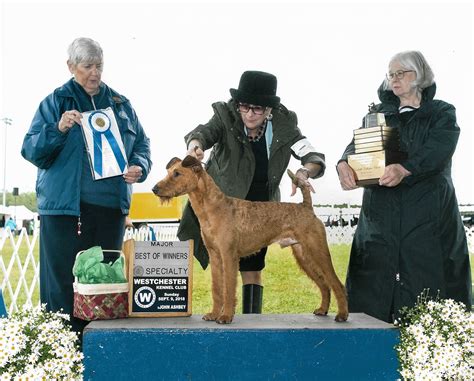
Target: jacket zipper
{"x": 79, "y": 223}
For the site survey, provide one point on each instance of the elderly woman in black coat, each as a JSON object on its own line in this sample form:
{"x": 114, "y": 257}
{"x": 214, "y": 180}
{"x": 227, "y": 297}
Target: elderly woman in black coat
{"x": 410, "y": 236}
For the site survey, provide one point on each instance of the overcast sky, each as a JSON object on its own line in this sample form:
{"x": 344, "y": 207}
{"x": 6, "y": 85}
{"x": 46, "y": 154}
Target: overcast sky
{"x": 174, "y": 59}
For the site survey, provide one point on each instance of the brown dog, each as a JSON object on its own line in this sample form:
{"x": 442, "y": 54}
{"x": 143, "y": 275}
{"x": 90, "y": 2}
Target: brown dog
{"x": 232, "y": 228}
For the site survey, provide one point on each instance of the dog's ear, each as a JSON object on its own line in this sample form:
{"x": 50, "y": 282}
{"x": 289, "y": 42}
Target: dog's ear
{"x": 191, "y": 162}
{"x": 172, "y": 162}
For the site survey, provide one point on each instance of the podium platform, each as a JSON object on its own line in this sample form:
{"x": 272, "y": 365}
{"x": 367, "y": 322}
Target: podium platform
{"x": 253, "y": 347}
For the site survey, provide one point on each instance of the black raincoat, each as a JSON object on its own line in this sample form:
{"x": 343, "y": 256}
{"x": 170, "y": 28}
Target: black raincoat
{"x": 411, "y": 237}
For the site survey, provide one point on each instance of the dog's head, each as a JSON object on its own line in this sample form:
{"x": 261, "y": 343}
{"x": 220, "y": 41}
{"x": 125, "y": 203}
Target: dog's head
{"x": 182, "y": 178}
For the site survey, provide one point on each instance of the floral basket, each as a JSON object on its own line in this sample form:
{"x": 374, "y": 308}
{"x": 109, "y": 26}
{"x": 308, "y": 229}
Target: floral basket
{"x": 36, "y": 344}
{"x": 101, "y": 301}
{"x": 436, "y": 341}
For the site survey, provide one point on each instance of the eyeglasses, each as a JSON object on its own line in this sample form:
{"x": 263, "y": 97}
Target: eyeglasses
{"x": 399, "y": 74}
{"x": 257, "y": 110}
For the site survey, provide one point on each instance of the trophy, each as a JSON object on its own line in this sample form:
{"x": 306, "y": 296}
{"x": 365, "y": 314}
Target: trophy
{"x": 376, "y": 145}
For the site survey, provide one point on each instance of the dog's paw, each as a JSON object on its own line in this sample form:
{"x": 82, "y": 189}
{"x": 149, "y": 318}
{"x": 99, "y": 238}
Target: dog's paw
{"x": 209, "y": 317}
{"x": 340, "y": 317}
{"x": 320, "y": 312}
{"x": 224, "y": 319}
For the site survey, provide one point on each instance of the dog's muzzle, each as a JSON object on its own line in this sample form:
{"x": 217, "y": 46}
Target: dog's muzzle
{"x": 163, "y": 199}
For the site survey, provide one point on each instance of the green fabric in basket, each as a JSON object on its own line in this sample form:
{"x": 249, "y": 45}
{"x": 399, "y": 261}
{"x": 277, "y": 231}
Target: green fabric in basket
{"x": 89, "y": 269}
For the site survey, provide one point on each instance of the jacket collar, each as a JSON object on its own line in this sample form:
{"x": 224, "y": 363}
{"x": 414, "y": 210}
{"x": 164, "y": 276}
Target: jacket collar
{"x": 388, "y": 98}
{"x": 68, "y": 90}
{"x": 70, "y": 87}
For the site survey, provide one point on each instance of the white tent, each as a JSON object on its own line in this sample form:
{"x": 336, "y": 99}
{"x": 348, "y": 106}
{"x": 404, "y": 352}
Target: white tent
{"x": 21, "y": 212}
{"x": 5, "y": 210}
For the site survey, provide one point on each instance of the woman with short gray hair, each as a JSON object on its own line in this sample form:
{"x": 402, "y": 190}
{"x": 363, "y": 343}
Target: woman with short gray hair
{"x": 412, "y": 60}
{"x": 82, "y": 201}
{"x": 410, "y": 236}
{"x": 84, "y": 50}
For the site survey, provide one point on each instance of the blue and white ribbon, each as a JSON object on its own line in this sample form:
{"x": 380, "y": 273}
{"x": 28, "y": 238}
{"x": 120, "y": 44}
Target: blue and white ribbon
{"x": 100, "y": 125}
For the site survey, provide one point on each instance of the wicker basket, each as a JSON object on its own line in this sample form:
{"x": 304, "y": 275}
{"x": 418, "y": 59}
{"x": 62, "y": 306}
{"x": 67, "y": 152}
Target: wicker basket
{"x": 101, "y": 301}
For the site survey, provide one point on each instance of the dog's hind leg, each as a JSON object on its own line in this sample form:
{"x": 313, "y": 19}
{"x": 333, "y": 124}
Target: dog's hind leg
{"x": 323, "y": 257}
{"x": 311, "y": 270}
{"x": 217, "y": 286}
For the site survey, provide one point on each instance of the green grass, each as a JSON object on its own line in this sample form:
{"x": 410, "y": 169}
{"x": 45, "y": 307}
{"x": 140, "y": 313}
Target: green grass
{"x": 286, "y": 288}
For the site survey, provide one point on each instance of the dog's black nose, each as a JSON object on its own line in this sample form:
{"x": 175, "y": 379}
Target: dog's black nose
{"x": 155, "y": 190}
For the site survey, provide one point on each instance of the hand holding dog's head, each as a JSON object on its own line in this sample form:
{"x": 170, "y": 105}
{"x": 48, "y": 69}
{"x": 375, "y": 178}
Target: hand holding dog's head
{"x": 193, "y": 163}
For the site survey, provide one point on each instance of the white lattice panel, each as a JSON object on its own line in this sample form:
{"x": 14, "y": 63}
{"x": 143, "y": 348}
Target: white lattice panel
{"x": 160, "y": 232}
{"x": 19, "y": 287}
{"x": 470, "y": 238}
{"x": 340, "y": 234}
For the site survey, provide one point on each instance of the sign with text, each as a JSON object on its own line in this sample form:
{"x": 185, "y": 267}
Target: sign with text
{"x": 161, "y": 279}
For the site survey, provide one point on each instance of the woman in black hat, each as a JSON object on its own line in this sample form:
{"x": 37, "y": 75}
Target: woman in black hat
{"x": 252, "y": 137}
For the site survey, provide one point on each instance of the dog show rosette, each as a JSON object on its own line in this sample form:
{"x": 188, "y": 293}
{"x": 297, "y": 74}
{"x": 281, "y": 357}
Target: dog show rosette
{"x": 104, "y": 144}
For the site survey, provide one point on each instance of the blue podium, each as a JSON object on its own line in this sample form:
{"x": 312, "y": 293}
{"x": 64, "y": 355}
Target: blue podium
{"x": 253, "y": 347}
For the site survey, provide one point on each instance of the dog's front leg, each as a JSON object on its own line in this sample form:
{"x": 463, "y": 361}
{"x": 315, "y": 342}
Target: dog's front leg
{"x": 217, "y": 286}
{"x": 230, "y": 266}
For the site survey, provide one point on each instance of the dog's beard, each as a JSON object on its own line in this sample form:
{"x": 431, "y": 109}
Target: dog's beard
{"x": 165, "y": 199}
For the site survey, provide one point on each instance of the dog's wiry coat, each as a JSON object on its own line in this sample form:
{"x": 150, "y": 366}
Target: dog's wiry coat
{"x": 232, "y": 228}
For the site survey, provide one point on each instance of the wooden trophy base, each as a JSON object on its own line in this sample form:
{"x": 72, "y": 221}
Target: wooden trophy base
{"x": 370, "y": 166}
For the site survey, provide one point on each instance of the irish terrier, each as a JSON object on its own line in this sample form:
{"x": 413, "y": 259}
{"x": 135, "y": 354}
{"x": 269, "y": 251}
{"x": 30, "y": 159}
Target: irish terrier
{"x": 232, "y": 228}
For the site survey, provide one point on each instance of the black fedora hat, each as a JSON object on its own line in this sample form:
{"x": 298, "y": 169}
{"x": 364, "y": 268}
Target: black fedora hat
{"x": 257, "y": 88}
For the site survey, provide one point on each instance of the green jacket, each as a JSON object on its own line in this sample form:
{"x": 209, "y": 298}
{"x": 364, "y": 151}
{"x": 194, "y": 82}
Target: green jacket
{"x": 411, "y": 237}
{"x": 232, "y": 163}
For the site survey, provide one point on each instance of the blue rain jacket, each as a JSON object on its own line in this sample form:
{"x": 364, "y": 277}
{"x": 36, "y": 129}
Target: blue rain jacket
{"x": 59, "y": 156}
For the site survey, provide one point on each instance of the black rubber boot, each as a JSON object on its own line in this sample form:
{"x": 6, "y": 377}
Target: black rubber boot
{"x": 252, "y": 296}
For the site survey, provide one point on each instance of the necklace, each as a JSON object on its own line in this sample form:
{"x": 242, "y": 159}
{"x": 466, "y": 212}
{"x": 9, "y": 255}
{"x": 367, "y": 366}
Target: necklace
{"x": 260, "y": 133}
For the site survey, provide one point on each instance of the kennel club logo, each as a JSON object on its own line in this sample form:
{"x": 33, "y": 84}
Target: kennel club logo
{"x": 145, "y": 297}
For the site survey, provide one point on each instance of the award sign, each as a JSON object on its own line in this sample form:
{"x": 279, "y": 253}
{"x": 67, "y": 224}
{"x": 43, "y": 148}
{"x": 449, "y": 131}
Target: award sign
{"x": 104, "y": 144}
{"x": 161, "y": 276}
{"x": 376, "y": 145}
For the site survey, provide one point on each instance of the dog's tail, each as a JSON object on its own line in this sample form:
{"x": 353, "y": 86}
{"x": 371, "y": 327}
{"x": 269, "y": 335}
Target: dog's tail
{"x": 307, "y": 201}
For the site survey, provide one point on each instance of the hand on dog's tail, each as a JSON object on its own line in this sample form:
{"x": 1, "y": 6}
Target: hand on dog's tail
{"x": 307, "y": 201}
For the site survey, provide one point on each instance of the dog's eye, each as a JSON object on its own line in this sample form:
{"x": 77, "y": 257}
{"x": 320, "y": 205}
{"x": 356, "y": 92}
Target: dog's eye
{"x": 176, "y": 174}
